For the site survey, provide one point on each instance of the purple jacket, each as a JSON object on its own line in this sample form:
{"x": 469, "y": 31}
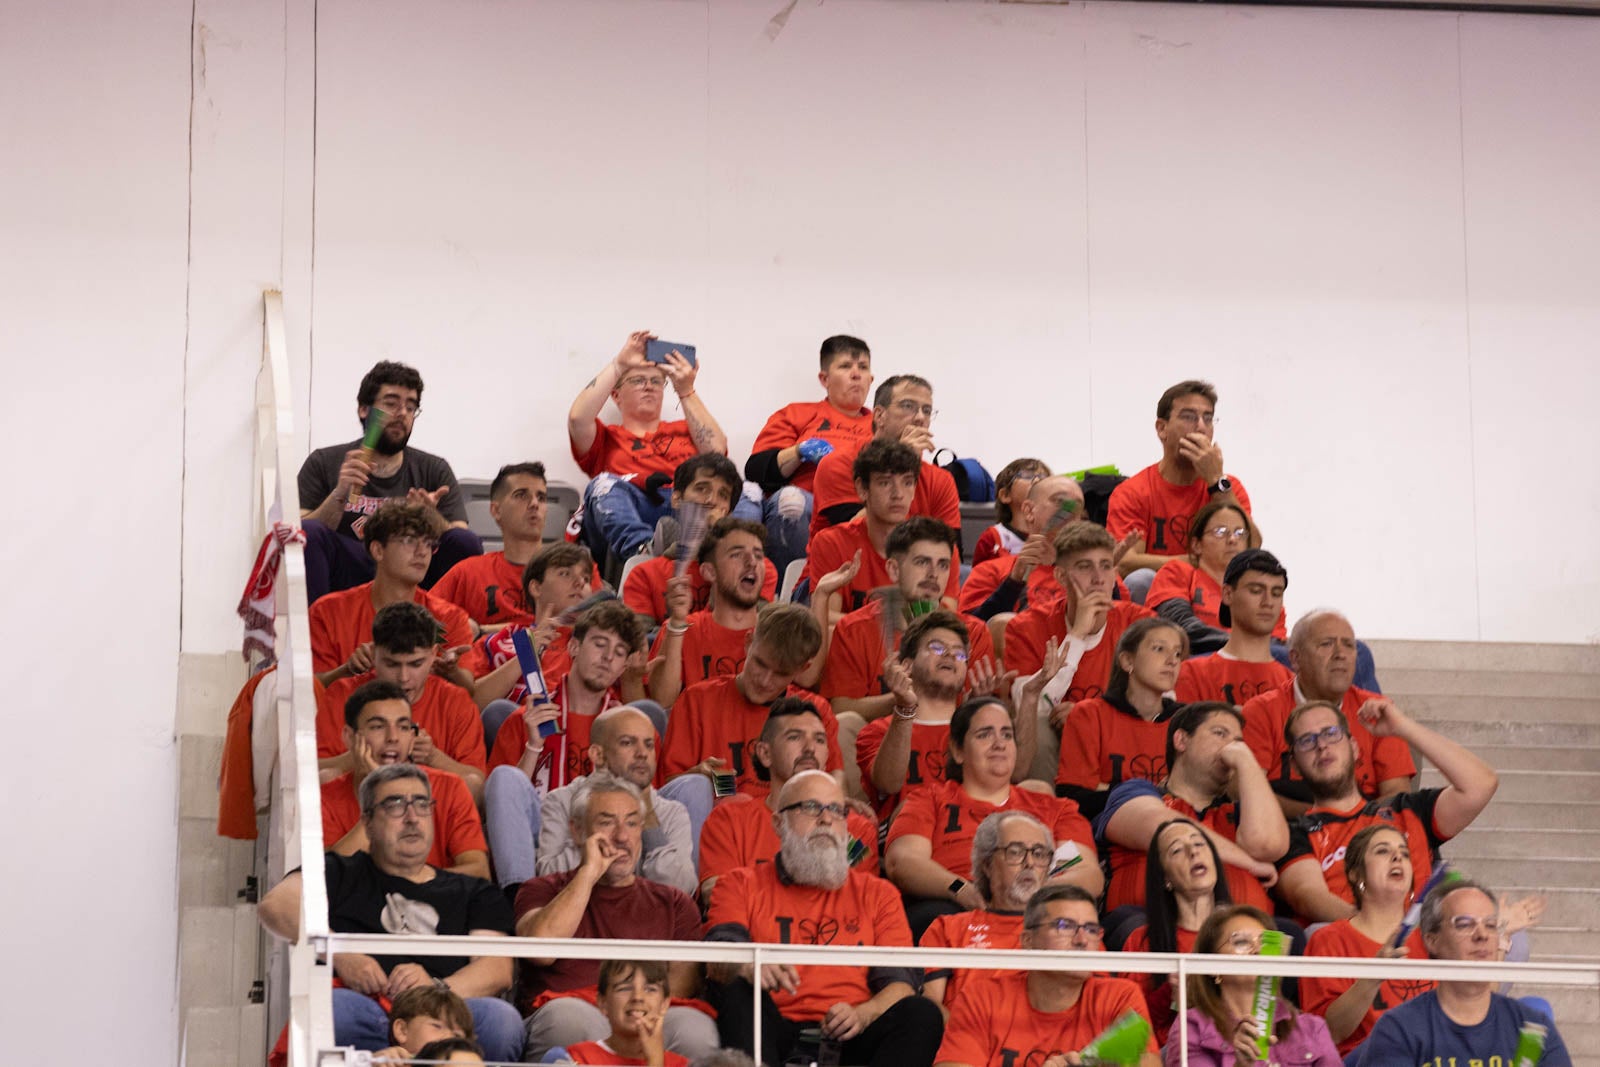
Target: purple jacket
{"x": 1308, "y": 1044}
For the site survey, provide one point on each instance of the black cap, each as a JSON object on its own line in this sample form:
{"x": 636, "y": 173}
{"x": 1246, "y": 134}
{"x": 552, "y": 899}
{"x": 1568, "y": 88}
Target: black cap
{"x": 1251, "y": 559}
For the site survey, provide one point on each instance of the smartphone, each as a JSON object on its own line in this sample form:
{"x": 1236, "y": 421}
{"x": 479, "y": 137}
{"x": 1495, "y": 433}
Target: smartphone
{"x": 658, "y": 351}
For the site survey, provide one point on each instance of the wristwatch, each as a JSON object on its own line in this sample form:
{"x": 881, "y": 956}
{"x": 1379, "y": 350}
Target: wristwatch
{"x": 1222, "y": 485}
{"x": 956, "y": 886}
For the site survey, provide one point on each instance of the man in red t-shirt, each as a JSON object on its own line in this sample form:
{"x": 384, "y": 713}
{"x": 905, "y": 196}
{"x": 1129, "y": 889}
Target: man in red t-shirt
{"x": 489, "y": 587}
{"x": 1322, "y": 651}
{"x": 604, "y": 897}
{"x": 1037, "y": 1016}
{"x": 1213, "y": 779}
{"x": 711, "y": 481}
{"x": 885, "y": 474}
{"x": 1156, "y": 505}
{"x": 379, "y": 731}
{"x": 902, "y": 410}
{"x": 783, "y": 460}
{"x": 710, "y": 644}
{"x": 401, "y": 539}
{"x": 1326, "y": 755}
{"x": 810, "y": 895}
{"x": 740, "y": 831}
{"x": 449, "y": 733}
{"x": 626, "y": 459}
{"x": 1009, "y": 582}
{"x": 1252, "y": 603}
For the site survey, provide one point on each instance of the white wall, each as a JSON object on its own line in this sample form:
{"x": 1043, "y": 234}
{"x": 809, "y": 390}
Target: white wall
{"x": 1367, "y": 227}
{"x": 94, "y": 119}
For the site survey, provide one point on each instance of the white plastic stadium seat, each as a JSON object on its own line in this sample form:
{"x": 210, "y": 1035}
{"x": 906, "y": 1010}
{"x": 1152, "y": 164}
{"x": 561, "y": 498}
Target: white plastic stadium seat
{"x": 791, "y": 578}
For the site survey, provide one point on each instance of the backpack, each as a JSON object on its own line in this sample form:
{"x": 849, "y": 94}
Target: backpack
{"x": 974, "y": 484}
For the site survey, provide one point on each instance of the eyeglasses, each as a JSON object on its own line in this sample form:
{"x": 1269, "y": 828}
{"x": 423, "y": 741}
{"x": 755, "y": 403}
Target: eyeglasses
{"x": 1227, "y": 533}
{"x": 1243, "y": 944}
{"x": 911, "y": 407}
{"x": 645, "y": 381}
{"x": 1310, "y": 742}
{"x": 1090, "y": 931}
{"x": 395, "y": 406}
{"x": 412, "y": 541}
{"x": 1195, "y": 418}
{"x": 1016, "y": 853}
{"x": 939, "y": 648}
{"x": 1466, "y": 924}
{"x": 396, "y": 805}
{"x": 814, "y": 809}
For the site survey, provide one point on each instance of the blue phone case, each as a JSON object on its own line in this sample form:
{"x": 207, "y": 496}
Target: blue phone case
{"x": 533, "y": 675}
{"x": 658, "y": 351}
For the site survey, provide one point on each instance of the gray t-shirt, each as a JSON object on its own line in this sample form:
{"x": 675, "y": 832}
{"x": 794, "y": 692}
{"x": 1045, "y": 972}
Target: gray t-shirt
{"x": 418, "y": 470}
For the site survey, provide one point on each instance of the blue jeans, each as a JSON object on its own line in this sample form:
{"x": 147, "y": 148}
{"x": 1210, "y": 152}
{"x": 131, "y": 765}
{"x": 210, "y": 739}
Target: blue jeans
{"x": 693, "y": 791}
{"x": 358, "y": 1021}
{"x": 511, "y": 824}
{"x": 620, "y": 516}
{"x": 787, "y": 514}
{"x": 335, "y": 562}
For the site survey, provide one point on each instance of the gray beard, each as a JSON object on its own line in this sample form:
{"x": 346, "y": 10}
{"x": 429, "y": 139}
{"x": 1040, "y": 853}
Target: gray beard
{"x": 1027, "y": 883}
{"x": 819, "y": 860}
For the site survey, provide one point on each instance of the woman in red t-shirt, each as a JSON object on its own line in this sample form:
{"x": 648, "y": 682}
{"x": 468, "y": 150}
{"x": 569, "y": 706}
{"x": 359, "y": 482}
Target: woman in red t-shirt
{"x": 1220, "y": 531}
{"x": 1181, "y": 889}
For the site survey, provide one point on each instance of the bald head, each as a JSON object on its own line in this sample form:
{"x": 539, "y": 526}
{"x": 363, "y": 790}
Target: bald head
{"x": 610, "y": 721}
{"x": 623, "y": 741}
{"x": 1045, "y": 498}
{"x": 811, "y": 785}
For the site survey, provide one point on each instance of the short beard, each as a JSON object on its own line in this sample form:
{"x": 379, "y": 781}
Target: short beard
{"x": 389, "y": 447}
{"x": 818, "y": 859}
{"x": 926, "y": 685}
{"x": 1339, "y": 787}
{"x": 732, "y": 597}
{"x": 1022, "y": 888}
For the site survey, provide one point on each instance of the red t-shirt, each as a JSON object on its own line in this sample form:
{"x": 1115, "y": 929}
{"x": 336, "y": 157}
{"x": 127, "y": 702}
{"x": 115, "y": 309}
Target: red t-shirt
{"x": 1222, "y": 818}
{"x": 1221, "y": 677}
{"x": 833, "y": 548}
{"x": 1160, "y": 510}
{"x": 970, "y": 929}
{"x": 986, "y": 577}
{"x": 1159, "y": 996}
{"x": 619, "y": 451}
{"x": 1028, "y": 633}
{"x": 948, "y": 816}
{"x": 793, "y": 423}
{"x": 835, "y": 484}
{"x": 739, "y": 833}
{"x": 456, "y": 826}
{"x": 1377, "y": 759}
{"x": 995, "y": 541}
{"x": 994, "y": 1025}
{"x": 769, "y": 909}
{"x": 341, "y": 622}
{"x": 645, "y": 591}
{"x": 565, "y": 756}
{"x": 856, "y": 653}
{"x": 1341, "y": 939}
{"x": 709, "y": 649}
{"x": 1102, "y": 744}
{"x": 930, "y": 741}
{"x": 713, "y": 718}
{"x": 598, "y": 1052}
{"x": 1178, "y": 579}
{"x": 495, "y": 649}
{"x": 488, "y": 588}
{"x": 444, "y": 709}
{"x": 1323, "y": 834}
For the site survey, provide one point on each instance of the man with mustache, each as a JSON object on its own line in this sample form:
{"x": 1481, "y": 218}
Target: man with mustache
{"x": 1326, "y": 755}
{"x": 341, "y": 486}
{"x": 1011, "y": 855}
{"x": 809, "y": 895}
{"x": 740, "y": 833}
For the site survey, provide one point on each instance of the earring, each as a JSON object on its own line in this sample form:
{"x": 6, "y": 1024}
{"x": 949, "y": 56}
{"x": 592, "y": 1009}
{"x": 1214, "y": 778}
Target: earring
{"x": 1362, "y": 885}
{"x": 1167, "y": 886}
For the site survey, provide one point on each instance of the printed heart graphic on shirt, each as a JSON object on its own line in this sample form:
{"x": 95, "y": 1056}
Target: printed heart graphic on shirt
{"x": 818, "y": 931}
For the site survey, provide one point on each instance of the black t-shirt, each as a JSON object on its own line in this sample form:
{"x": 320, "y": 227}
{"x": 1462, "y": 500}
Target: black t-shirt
{"x": 364, "y": 900}
{"x": 418, "y": 470}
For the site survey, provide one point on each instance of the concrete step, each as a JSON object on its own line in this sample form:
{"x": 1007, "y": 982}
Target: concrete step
{"x": 1477, "y": 656}
{"x": 1572, "y": 1005}
{"x": 1543, "y": 758}
{"x": 1527, "y": 843}
{"x": 1569, "y": 908}
{"x": 1538, "y": 788}
{"x": 1556, "y": 814}
{"x": 1521, "y": 684}
{"x": 211, "y": 869}
{"x": 1477, "y": 734}
{"x": 207, "y": 686}
{"x": 199, "y": 765}
{"x": 225, "y": 1037}
{"x": 1556, "y": 944}
{"x": 1521, "y": 709}
{"x": 218, "y": 956}
{"x": 1495, "y": 871}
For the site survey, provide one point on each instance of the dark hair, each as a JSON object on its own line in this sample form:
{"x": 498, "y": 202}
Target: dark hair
{"x": 442, "y": 1004}
{"x": 1009, "y": 474}
{"x": 960, "y": 724}
{"x": 621, "y": 970}
{"x": 383, "y": 373}
{"x": 1131, "y": 639}
{"x": 713, "y": 463}
{"x": 785, "y": 708}
{"x": 1044, "y": 896}
{"x": 369, "y": 693}
{"x": 1189, "y": 387}
{"x": 1191, "y": 717}
{"x": 501, "y": 484}
{"x": 612, "y": 616}
{"x": 724, "y": 528}
{"x": 446, "y": 1047}
{"x": 1197, "y": 525}
{"x": 1160, "y": 906}
{"x": 404, "y": 627}
{"x": 885, "y": 391}
{"x": 397, "y": 519}
{"x": 884, "y": 457}
{"x": 1254, "y": 559}
{"x": 1308, "y": 706}
{"x": 1355, "y": 857}
{"x": 1204, "y": 993}
{"x": 917, "y": 528}
{"x": 842, "y": 344}
{"x": 938, "y": 619}
{"x": 1076, "y": 537}
{"x": 557, "y": 554}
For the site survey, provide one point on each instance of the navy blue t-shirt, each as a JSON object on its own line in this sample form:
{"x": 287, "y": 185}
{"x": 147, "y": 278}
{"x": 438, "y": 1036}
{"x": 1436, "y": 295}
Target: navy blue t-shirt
{"x": 1419, "y": 1034}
